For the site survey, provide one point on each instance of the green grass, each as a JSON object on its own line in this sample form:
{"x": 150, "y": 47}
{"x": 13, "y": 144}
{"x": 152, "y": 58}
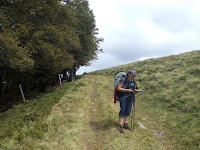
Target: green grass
{"x": 171, "y": 85}
{"x": 82, "y": 115}
{"x": 84, "y": 118}
{"x": 28, "y": 120}
{"x": 107, "y": 119}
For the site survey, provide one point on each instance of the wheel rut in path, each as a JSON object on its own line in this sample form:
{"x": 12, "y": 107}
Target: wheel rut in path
{"x": 95, "y": 141}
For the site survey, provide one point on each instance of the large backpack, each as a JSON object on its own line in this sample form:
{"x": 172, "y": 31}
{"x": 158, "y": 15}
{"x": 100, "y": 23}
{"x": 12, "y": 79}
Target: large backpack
{"x": 116, "y": 83}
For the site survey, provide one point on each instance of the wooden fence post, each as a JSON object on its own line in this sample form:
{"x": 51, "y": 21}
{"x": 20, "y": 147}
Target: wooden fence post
{"x": 20, "y": 87}
{"x": 60, "y": 76}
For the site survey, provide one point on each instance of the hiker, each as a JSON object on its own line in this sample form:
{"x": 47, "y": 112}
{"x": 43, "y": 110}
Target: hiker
{"x": 126, "y": 91}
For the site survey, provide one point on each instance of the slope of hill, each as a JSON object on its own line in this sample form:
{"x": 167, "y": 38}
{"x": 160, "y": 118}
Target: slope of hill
{"x": 171, "y": 83}
{"x": 84, "y": 118}
{"x": 81, "y": 114}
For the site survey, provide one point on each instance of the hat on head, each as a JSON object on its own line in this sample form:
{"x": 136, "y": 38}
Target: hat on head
{"x": 132, "y": 72}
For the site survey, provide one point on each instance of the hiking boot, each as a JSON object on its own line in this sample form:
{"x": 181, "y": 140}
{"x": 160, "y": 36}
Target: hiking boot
{"x": 121, "y": 130}
{"x": 126, "y": 126}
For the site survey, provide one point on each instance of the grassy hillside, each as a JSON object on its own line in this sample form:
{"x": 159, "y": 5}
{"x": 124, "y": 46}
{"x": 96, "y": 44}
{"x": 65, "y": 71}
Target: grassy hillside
{"x": 82, "y": 115}
{"x": 84, "y": 118}
{"x": 172, "y": 84}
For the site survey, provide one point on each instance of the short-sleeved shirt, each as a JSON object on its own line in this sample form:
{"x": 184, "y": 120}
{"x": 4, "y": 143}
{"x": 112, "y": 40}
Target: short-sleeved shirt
{"x": 127, "y": 84}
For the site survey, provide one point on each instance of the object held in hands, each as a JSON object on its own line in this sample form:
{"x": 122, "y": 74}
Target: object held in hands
{"x": 138, "y": 90}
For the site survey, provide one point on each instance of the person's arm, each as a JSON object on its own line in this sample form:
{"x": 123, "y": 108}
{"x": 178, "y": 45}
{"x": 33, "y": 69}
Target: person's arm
{"x": 119, "y": 88}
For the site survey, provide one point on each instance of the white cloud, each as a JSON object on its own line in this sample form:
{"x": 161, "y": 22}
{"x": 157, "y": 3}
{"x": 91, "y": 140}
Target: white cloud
{"x": 138, "y": 29}
{"x": 107, "y": 14}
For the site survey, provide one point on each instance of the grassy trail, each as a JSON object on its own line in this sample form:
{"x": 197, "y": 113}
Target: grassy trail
{"x": 82, "y": 115}
{"x": 86, "y": 118}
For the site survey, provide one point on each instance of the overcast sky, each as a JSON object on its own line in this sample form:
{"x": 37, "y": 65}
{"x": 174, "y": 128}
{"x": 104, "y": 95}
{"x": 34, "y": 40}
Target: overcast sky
{"x": 135, "y": 30}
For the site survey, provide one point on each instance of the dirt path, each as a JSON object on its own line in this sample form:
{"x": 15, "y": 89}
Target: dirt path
{"x": 104, "y": 128}
{"x": 95, "y": 141}
{"x": 86, "y": 118}
{"x": 94, "y": 127}
{"x": 92, "y": 140}
{"x": 100, "y": 95}
{"x": 93, "y": 124}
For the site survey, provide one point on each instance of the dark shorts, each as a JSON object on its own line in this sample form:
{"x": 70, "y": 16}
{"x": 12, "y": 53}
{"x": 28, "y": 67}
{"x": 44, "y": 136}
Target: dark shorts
{"x": 126, "y": 105}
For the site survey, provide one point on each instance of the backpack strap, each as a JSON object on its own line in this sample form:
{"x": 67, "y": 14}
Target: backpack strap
{"x": 126, "y": 81}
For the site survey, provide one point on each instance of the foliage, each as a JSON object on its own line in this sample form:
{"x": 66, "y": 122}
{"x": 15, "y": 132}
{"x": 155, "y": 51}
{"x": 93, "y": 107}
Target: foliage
{"x": 40, "y": 39}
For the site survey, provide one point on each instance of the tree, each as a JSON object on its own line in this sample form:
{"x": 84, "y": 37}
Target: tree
{"x": 87, "y": 31}
{"x": 39, "y": 39}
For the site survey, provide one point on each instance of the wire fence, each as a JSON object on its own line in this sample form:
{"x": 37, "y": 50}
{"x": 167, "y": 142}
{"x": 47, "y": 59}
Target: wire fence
{"x": 8, "y": 96}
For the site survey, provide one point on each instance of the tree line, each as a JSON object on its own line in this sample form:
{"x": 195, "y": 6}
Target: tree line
{"x": 41, "y": 38}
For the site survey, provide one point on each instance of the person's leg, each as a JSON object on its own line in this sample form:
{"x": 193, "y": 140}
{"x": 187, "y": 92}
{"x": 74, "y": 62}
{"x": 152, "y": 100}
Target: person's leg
{"x": 128, "y": 107}
{"x": 123, "y": 104}
{"x": 128, "y": 111}
{"x": 121, "y": 121}
{"x": 126, "y": 119}
{"x": 122, "y": 113}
